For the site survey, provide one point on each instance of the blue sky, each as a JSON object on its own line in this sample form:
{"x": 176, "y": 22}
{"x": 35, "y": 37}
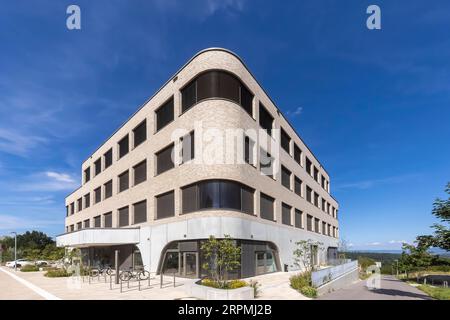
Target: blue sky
{"x": 372, "y": 105}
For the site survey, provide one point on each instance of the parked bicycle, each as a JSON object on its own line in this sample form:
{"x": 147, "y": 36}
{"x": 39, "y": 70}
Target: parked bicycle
{"x": 134, "y": 274}
{"x": 101, "y": 270}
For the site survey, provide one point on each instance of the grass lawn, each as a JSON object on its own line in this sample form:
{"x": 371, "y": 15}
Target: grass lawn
{"x": 439, "y": 293}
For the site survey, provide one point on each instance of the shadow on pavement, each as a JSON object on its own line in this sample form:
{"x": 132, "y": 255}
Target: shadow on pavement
{"x": 394, "y": 292}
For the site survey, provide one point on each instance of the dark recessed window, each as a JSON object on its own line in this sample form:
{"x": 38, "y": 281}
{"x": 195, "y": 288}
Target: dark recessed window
{"x": 249, "y": 146}
{"x": 316, "y": 174}
{"x": 328, "y": 208}
{"x": 285, "y": 141}
{"x": 164, "y": 160}
{"x": 329, "y": 229}
{"x": 267, "y": 207}
{"x": 108, "y": 158}
{"x": 309, "y": 222}
{"x": 124, "y": 146}
{"x": 87, "y": 223}
{"x": 165, "y": 205}
{"x": 98, "y": 166}
{"x": 67, "y": 211}
{"x": 216, "y": 84}
{"x": 124, "y": 181}
{"x": 124, "y": 217}
{"x": 72, "y": 208}
{"x": 188, "y": 96}
{"x": 87, "y": 200}
{"x": 97, "y": 222}
{"x": 140, "y": 212}
{"x": 79, "y": 204}
{"x": 323, "y": 182}
{"x": 316, "y": 199}
{"x": 324, "y": 205}
{"x": 316, "y": 225}
{"x": 324, "y": 228}
{"x": 108, "y": 189}
{"x": 286, "y": 214}
{"x": 308, "y": 166}
{"x": 79, "y": 226}
{"x": 98, "y": 195}
{"x": 285, "y": 177}
{"x": 266, "y": 163}
{"x": 188, "y": 147}
{"x": 140, "y": 133}
{"x": 298, "y": 186}
{"x": 308, "y": 194}
{"x": 298, "y": 219}
{"x": 164, "y": 114}
{"x": 265, "y": 119}
{"x": 107, "y": 218}
{"x": 87, "y": 174}
{"x": 72, "y": 228}
{"x": 297, "y": 154}
{"x": 214, "y": 194}
{"x": 140, "y": 172}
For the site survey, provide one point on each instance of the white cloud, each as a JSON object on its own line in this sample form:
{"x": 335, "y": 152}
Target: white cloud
{"x": 48, "y": 181}
{"x": 9, "y": 222}
{"x": 61, "y": 177}
{"x": 295, "y": 112}
{"x": 397, "y": 241}
{"x": 366, "y": 184}
{"x": 18, "y": 143}
{"x": 374, "y": 243}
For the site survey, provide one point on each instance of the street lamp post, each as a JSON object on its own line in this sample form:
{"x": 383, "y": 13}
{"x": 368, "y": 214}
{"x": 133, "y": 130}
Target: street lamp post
{"x": 15, "y": 251}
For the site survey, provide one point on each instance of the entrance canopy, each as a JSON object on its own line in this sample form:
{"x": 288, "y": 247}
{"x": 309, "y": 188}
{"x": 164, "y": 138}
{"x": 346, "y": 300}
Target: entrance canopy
{"x": 98, "y": 237}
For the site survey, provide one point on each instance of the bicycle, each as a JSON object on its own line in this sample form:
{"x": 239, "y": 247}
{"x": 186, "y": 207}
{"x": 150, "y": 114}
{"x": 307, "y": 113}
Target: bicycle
{"x": 134, "y": 274}
{"x": 101, "y": 271}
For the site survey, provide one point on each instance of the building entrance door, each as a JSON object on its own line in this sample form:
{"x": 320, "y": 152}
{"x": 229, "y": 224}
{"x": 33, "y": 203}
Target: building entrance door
{"x": 265, "y": 262}
{"x": 190, "y": 264}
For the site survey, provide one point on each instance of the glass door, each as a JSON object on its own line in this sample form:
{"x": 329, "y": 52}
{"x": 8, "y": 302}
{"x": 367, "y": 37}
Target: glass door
{"x": 265, "y": 262}
{"x": 190, "y": 264}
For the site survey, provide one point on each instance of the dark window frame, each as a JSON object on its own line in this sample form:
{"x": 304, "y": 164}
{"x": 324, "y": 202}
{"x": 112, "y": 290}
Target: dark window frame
{"x": 121, "y": 186}
{"x": 137, "y": 167}
{"x": 108, "y": 158}
{"x": 122, "y": 153}
{"x": 158, "y": 214}
{"x": 160, "y": 124}
{"x": 286, "y": 211}
{"x": 157, "y": 162}
{"x": 142, "y": 139}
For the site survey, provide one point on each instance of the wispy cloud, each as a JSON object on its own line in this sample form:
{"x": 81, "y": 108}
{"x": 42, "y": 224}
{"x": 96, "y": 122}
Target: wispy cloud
{"x": 10, "y": 222}
{"x": 14, "y": 142}
{"x": 370, "y": 183}
{"x": 48, "y": 181}
{"x": 296, "y": 112}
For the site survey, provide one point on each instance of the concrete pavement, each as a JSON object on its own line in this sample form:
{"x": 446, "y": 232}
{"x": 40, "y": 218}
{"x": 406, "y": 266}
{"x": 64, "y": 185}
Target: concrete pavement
{"x": 390, "y": 289}
{"x": 11, "y": 289}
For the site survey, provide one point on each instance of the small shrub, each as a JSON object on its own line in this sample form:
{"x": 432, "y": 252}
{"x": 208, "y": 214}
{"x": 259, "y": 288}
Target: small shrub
{"x": 57, "y": 273}
{"x": 235, "y": 284}
{"x": 301, "y": 280}
{"x": 309, "y": 292}
{"x": 29, "y": 268}
{"x": 209, "y": 283}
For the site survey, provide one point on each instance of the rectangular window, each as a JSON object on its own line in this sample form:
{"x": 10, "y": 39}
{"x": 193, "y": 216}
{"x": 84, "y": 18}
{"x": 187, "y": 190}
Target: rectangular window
{"x": 316, "y": 225}
{"x": 97, "y": 222}
{"x": 316, "y": 199}
{"x": 334, "y": 232}
{"x": 328, "y": 208}
{"x": 79, "y": 204}
{"x": 298, "y": 219}
{"x": 286, "y": 177}
{"x": 98, "y": 166}
{"x": 286, "y": 214}
{"x": 329, "y": 230}
{"x": 324, "y": 205}
{"x": 298, "y": 186}
{"x": 72, "y": 228}
{"x": 248, "y": 199}
{"x": 140, "y": 172}
{"x": 267, "y": 207}
{"x": 189, "y": 199}
{"x": 140, "y": 212}
{"x": 164, "y": 160}
{"x": 108, "y": 157}
{"x": 72, "y": 208}
{"x": 249, "y": 146}
{"x": 165, "y": 205}
{"x": 324, "y": 228}
{"x": 308, "y": 194}
{"x": 266, "y": 163}
{"x": 188, "y": 96}
{"x": 67, "y": 211}
{"x": 285, "y": 141}
{"x": 98, "y": 195}
{"x": 164, "y": 114}
{"x": 323, "y": 182}
{"x": 79, "y": 226}
{"x": 229, "y": 88}
{"x": 265, "y": 119}
{"x": 87, "y": 223}
{"x": 124, "y": 146}
{"x": 334, "y": 212}
{"x": 87, "y": 174}
{"x": 124, "y": 217}
{"x": 107, "y": 218}
{"x": 140, "y": 133}
{"x": 309, "y": 222}
{"x": 308, "y": 166}
{"x": 247, "y": 100}
{"x": 316, "y": 174}
{"x": 124, "y": 181}
{"x": 297, "y": 154}
{"x": 108, "y": 189}
{"x": 188, "y": 147}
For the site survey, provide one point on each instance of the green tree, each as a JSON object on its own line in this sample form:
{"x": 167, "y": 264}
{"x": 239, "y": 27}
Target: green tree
{"x": 441, "y": 236}
{"x": 222, "y": 256}
{"x": 305, "y": 252}
{"x": 415, "y": 258}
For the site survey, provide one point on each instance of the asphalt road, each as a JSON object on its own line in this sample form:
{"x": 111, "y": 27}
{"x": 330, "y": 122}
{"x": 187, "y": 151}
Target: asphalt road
{"x": 390, "y": 289}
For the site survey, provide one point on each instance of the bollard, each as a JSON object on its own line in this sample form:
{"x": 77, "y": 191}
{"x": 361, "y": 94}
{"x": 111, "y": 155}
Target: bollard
{"x": 104, "y": 275}
{"x": 110, "y": 282}
{"x": 89, "y": 278}
{"x": 128, "y": 283}
{"x": 161, "y": 282}
{"x": 174, "y": 279}
{"x": 139, "y": 283}
{"x": 120, "y": 285}
{"x": 149, "y": 276}
{"x": 445, "y": 284}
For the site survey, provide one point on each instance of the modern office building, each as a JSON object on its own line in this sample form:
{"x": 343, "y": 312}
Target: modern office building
{"x": 208, "y": 154}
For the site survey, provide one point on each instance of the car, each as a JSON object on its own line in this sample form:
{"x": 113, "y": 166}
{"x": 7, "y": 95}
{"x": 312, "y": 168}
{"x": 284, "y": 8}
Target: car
{"x": 42, "y": 263}
{"x": 19, "y": 263}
